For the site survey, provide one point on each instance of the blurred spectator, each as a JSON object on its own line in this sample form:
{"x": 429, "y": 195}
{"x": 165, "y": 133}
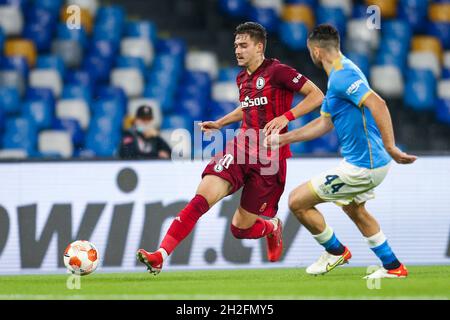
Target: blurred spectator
{"x": 142, "y": 141}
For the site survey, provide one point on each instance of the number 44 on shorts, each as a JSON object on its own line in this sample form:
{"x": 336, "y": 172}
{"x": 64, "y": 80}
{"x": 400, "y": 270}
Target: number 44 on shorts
{"x": 335, "y": 185}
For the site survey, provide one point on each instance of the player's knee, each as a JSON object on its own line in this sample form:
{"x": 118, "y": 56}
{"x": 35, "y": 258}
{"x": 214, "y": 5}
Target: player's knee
{"x": 294, "y": 204}
{"x": 354, "y": 211}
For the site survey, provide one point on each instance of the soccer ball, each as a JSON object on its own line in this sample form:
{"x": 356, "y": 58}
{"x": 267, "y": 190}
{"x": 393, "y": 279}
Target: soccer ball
{"x": 81, "y": 257}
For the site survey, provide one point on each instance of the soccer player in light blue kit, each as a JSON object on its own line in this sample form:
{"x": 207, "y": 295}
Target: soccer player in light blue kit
{"x": 364, "y": 128}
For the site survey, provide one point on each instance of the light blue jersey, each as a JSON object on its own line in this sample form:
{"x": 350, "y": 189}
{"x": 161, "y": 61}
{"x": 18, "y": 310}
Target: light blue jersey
{"x": 359, "y": 137}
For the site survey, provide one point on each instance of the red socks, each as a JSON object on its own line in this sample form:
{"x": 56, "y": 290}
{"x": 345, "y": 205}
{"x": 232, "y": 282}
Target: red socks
{"x": 183, "y": 224}
{"x": 260, "y": 229}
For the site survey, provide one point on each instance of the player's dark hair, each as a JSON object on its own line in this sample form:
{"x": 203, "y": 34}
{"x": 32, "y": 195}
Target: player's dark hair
{"x": 256, "y": 32}
{"x": 326, "y": 36}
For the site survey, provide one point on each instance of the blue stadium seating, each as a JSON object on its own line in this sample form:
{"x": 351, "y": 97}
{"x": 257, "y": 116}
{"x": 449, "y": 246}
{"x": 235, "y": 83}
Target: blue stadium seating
{"x": 9, "y": 100}
{"x": 73, "y": 127}
{"x": 172, "y": 46}
{"x": 414, "y": 12}
{"x": 113, "y": 93}
{"x": 2, "y": 40}
{"x": 102, "y": 48}
{"x": 397, "y": 29}
{"x": 361, "y": 60}
{"x": 131, "y": 62}
{"x": 100, "y": 144}
{"x": 267, "y": 17}
{"x": 81, "y": 77}
{"x": 440, "y": 30}
{"x": 359, "y": 11}
{"x": 228, "y": 74}
{"x": 175, "y": 121}
{"x": 164, "y": 97}
{"x": 142, "y": 29}
{"x": 78, "y": 35}
{"x": 110, "y": 109}
{"x": 44, "y": 94}
{"x": 443, "y": 110}
{"x": 54, "y": 6}
{"x": 76, "y": 91}
{"x": 98, "y": 67}
{"x": 293, "y": 35}
{"x": 420, "y": 90}
{"x": 15, "y": 63}
{"x": 20, "y": 133}
{"x": 51, "y": 62}
{"x": 40, "y": 112}
{"x": 234, "y": 8}
{"x": 334, "y": 16}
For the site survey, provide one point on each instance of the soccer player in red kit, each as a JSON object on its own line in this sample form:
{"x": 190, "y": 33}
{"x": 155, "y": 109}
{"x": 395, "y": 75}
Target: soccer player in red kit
{"x": 266, "y": 89}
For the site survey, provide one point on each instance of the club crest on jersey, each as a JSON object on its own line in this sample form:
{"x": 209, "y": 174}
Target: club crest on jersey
{"x": 260, "y": 83}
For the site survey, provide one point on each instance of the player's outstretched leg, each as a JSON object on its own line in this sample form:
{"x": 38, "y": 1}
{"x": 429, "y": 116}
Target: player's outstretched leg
{"x": 246, "y": 225}
{"x": 375, "y": 238}
{"x": 301, "y": 202}
{"x": 209, "y": 192}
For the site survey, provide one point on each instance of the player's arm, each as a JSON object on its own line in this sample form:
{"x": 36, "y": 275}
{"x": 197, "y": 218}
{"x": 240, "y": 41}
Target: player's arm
{"x": 382, "y": 117}
{"x": 290, "y": 79}
{"x": 232, "y": 117}
{"x": 314, "y": 129}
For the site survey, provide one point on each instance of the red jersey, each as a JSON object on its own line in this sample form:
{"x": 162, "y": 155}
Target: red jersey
{"x": 267, "y": 93}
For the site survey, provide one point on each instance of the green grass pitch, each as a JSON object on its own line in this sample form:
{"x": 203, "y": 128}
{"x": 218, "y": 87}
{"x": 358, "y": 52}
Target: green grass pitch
{"x": 424, "y": 282}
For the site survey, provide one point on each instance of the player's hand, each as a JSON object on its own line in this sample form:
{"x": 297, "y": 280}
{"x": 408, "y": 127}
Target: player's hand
{"x": 208, "y": 126}
{"x": 400, "y": 156}
{"x": 276, "y": 124}
{"x": 275, "y": 141}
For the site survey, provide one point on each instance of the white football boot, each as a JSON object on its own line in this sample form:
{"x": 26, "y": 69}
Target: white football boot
{"x": 328, "y": 262}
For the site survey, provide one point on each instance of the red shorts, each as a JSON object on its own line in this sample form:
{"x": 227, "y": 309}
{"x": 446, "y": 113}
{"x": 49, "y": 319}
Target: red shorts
{"x": 261, "y": 192}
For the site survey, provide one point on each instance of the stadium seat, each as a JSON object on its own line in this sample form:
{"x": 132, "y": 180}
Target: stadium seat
{"x": 440, "y": 30}
{"x": 98, "y": 67}
{"x": 234, "y": 8}
{"x": 134, "y": 104}
{"x": 12, "y": 78}
{"x": 11, "y": 20}
{"x": 345, "y": 5}
{"x": 10, "y": 100}
{"x": 76, "y": 91}
{"x": 276, "y": 5}
{"x": 164, "y": 96}
{"x": 176, "y": 121}
{"x": 74, "y": 109}
{"x": 101, "y": 144}
{"x": 131, "y": 62}
{"x": 102, "y": 48}
{"x": 443, "y": 110}
{"x": 425, "y": 60}
{"x": 427, "y": 44}
{"x": 53, "y": 6}
{"x": 225, "y": 91}
{"x": 205, "y": 61}
{"x": 141, "y": 29}
{"x": 420, "y": 90}
{"x": 179, "y": 141}
{"x": 81, "y": 77}
{"x": 293, "y": 35}
{"x": 6, "y": 154}
{"x": 414, "y": 12}
{"x": 217, "y": 109}
{"x": 46, "y": 78}
{"x": 103, "y": 124}
{"x": 2, "y": 39}
{"x": 55, "y": 141}
{"x": 129, "y": 79}
{"x": 172, "y": 46}
{"x": 109, "y": 108}
{"x": 51, "y": 62}
{"x": 299, "y": 14}
{"x": 443, "y": 89}
{"x": 86, "y": 19}
{"x": 358, "y": 31}
{"x": 78, "y": 35}
{"x": 44, "y": 94}
{"x": 89, "y": 5}
{"x": 397, "y": 29}
{"x": 40, "y": 112}
{"x": 192, "y": 107}
{"x": 73, "y": 127}
{"x": 70, "y": 51}
{"x": 138, "y": 48}
{"x": 387, "y": 80}
{"x": 115, "y": 93}
{"x": 21, "y": 47}
{"x": 228, "y": 74}
{"x": 20, "y": 133}
{"x": 40, "y": 34}
{"x": 268, "y": 17}
{"x": 388, "y": 9}
{"x": 439, "y": 12}
{"x": 334, "y": 16}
